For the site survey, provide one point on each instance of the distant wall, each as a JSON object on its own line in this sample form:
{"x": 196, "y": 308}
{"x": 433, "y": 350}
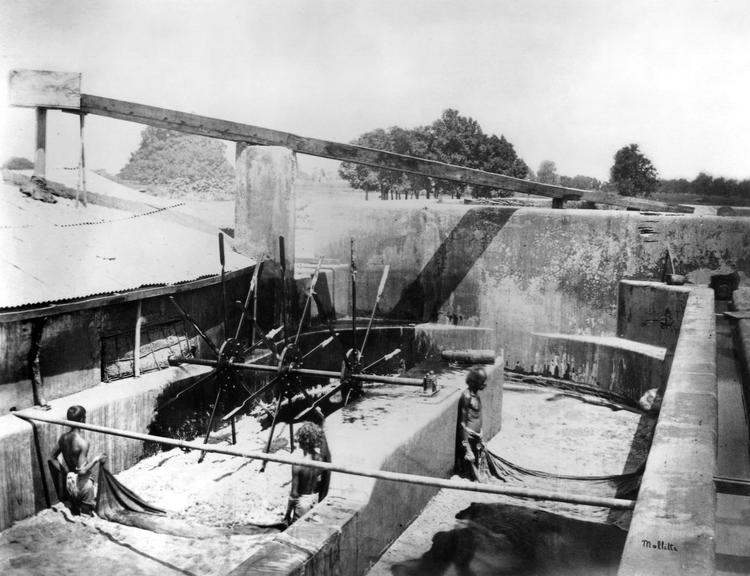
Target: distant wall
{"x": 519, "y": 270}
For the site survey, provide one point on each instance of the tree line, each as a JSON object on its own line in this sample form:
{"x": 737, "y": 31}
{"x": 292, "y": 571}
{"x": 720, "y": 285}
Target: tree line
{"x": 169, "y": 162}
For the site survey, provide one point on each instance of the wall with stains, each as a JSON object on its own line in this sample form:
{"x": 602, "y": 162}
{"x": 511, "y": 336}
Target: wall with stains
{"x": 519, "y": 271}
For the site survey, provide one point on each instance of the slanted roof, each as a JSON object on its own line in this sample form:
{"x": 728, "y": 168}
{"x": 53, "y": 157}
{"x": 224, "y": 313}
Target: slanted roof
{"x": 56, "y": 252}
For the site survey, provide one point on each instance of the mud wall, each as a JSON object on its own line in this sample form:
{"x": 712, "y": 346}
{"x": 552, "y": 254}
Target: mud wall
{"x": 520, "y": 270}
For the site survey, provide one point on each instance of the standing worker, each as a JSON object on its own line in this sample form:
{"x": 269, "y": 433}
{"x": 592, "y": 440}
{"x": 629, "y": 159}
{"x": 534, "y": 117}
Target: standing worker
{"x": 79, "y": 487}
{"x": 469, "y": 429}
{"x": 306, "y": 481}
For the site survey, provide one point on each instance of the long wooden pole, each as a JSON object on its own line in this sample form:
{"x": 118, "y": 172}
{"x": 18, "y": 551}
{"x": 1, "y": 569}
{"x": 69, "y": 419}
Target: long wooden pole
{"x": 237, "y": 132}
{"x": 380, "y": 474}
{"x": 375, "y": 378}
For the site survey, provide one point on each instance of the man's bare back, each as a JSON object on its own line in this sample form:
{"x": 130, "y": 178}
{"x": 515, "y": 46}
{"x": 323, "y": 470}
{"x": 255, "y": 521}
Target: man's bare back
{"x": 74, "y": 449}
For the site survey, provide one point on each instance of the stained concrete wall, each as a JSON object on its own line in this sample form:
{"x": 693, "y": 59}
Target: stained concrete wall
{"x": 622, "y": 366}
{"x": 360, "y": 518}
{"x": 520, "y": 270}
{"x": 265, "y": 201}
{"x": 651, "y": 312}
{"x": 672, "y": 531}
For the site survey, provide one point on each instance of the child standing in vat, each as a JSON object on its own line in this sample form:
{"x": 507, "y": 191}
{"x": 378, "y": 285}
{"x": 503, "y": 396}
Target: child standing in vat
{"x": 71, "y": 456}
{"x": 469, "y": 429}
{"x": 308, "y": 484}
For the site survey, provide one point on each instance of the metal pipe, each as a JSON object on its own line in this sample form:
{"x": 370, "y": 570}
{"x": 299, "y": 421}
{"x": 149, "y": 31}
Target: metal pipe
{"x": 306, "y": 372}
{"x": 379, "y": 474}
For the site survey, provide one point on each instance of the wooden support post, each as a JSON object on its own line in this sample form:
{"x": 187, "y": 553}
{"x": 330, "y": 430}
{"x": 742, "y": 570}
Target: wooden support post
{"x": 137, "y": 343}
{"x": 265, "y": 201}
{"x": 82, "y": 166}
{"x": 41, "y": 143}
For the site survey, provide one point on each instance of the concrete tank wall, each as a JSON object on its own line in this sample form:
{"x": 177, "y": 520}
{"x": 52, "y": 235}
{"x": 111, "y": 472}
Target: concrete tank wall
{"x": 520, "y": 270}
{"x": 673, "y": 528}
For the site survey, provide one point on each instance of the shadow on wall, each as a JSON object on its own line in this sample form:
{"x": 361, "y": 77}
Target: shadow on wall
{"x": 450, "y": 264}
{"x": 492, "y": 539}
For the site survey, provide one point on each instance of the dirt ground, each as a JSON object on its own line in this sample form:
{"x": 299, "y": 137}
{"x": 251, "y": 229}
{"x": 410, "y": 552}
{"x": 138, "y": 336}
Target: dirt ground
{"x": 223, "y": 491}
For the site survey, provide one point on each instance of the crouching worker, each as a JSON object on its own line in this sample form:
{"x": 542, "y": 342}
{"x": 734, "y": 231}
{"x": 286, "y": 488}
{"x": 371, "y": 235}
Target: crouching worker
{"x": 308, "y": 484}
{"x": 469, "y": 444}
{"x": 75, "y": 484}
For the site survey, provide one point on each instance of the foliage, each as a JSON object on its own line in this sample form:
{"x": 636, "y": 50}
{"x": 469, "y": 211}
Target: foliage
{"x": 581, "y": 182}
{"x": 632, "y": 174}
{"x": 452, "y": 139}
{"x": 547, "y": 173}
{"x": 18, "y": 163}
{"x": 184, "y": 164}
{"x": 707, "y": 186}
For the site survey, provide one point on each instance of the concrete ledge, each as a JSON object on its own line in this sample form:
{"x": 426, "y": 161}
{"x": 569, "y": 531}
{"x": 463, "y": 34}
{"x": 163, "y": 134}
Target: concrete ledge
{"x": 404, "y": 432}
{"x": 626, "y": 367}
{"x": 673, "y": 526}
{"x": 432, "y": 339}
{"x": 127, "y": 404}
{"x": 742, "y": 346}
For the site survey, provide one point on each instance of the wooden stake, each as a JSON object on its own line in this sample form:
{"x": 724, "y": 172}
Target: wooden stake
{"x": 41, "y": 143}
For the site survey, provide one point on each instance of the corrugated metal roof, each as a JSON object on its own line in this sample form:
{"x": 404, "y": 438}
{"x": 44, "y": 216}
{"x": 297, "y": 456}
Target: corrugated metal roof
{"x": 47, "y": 262}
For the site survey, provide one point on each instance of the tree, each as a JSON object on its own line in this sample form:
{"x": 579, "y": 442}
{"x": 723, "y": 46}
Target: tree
{"x": 185, "y": 164}
{"x": 547, "y": 173}
{"x": 453, "y": 139}
{"x": 581, "y": 182}
{"x": 632, "y": 174}
{"x": 18, "y": 163}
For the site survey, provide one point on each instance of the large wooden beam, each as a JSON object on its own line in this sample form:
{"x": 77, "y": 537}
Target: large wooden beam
{"x": 61, "y": 90}
{"x": 237, "y": 132}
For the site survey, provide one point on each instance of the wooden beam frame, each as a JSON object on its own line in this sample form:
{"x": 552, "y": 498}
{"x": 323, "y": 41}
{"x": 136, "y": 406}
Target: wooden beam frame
{"x": 238, "y": 132}
{"x": 58, "y": 90}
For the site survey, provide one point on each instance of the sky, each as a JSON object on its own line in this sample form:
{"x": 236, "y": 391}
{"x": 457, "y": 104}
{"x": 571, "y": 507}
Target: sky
{"x": 569, "y": 81}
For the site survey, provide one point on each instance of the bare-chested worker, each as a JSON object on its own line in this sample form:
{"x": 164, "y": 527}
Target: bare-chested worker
{"x": 469, "y": 432}
{"x": 306, "y": 481}
{"x": 74, "y": 449}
